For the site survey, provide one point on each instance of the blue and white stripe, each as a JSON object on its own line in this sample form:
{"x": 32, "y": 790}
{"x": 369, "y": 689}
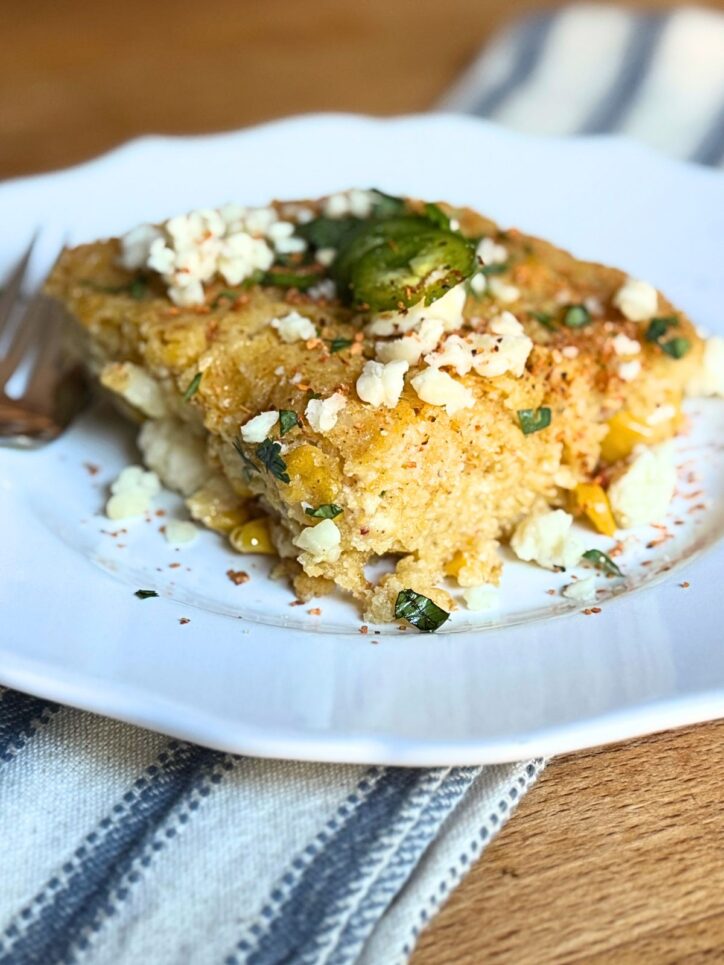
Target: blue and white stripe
{"x": 594, "y": 69}
{"x": 120, "y": 846}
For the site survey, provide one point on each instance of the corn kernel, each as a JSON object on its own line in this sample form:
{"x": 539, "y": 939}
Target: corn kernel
{"x": 253, "y": 537}
{"x": 453, "y": 566}
{"x": 311, "y": 478}
{"x": 591, "y": 499}
{"x": 626, "y": 431}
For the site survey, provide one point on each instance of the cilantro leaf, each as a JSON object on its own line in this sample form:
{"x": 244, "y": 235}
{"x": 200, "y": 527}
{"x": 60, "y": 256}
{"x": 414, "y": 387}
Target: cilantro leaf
{"x": 420, "y": 611}
{"x": 602, "y": 562}
{"x": 533, "y": 420}
{"x": 658, "y": 327}
{"x": 545, "y": 319}
{"x": 325, "y": 511}
{"x": 145, "y": 594}
{"x": 249, "y": 466}
{"x": 193, "y": 387}
{"x": 287, "y": 420}
{"x": 337, "y": 344}
{"x": 576, "y": 316}
{"x": 268, "y": 454}
{"x": 676, "y": 348}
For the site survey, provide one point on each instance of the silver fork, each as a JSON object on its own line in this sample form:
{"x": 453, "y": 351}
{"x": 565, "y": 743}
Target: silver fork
{"x": 39, "y": 391}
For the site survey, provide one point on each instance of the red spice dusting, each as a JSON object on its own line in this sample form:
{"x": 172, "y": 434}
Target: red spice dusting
{"x": 587, "y": 612}
{"x": 364, "y": 530}
{"x": 616, "y": 549}
{"x": 297, "y": 603}
{"x": 183, "y": 621}
{"x": 315, "y": 611}
{"x": 364, "y": 629}
{"x": 551, "y": 592}
{"x": 695, "y": 494}
{"x": 91, "y": 468}
{"x": 238, "y": 577}
{"x": 173, "y": 566}
{"x": 685, "y": 585}
{"x": 698, "y": 508}
{"x": 409, "y": 465}
{"x": 160, "y": 512}
{"x": 595, "y": 609}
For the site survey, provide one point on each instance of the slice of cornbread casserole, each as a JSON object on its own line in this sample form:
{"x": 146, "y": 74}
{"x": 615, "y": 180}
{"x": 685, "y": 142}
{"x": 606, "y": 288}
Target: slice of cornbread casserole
{"x": 364, "y": 376}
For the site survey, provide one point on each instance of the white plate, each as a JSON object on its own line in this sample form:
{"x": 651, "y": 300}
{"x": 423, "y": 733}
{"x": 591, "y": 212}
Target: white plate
{"x": 251, "y": 674}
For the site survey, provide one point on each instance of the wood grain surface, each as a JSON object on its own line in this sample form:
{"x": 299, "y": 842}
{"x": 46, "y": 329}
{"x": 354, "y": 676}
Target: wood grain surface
{"x": 616, "y": 854}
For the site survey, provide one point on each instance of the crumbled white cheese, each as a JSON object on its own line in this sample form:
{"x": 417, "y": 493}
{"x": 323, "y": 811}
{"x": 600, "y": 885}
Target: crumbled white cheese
{"x": 484, "y": 597}
{"x": 136, "y": 386}
{"x": 637, "y": 300}
{"x": 628, "y": 371}
{"x": 662, "y": 413}
{"x": 381, "y": 383}
{"x": 506, "y": 324}
{"x": 135, "y": 246}
{"x": 643, "y": 492}
{"x": 132, "y": 492}
{"x": 180, "y": 532}
{"x": 503, "y": 292}
{"x": 593, "y": 305}
{"x": 258, "y": 428}
{"x": 325, "y": 256}
{"x": 545, "y": 538}
{"x": 325, "y": 288}
{"x": 623, "y": 345}
{"x": 321, "y": 414}
{"x": 478, "y": 284}
{"x": 412, "y": 346}
{"x": 294, "y": 328}
{"x": 448, "y": 310}
{"x": 355, "y": 202}
{"x": 455, "y": 353}
{"x": 582, "y": 591}
{"x": 709, "y": 378}
{"x": 438, "y": 388}
{"x": 498, "y": 354}
{"x": 489, "y": 252}
{"x": 189, "y": 250}
{"x": 320, "y": 542}
{"x": 175, "y": 452}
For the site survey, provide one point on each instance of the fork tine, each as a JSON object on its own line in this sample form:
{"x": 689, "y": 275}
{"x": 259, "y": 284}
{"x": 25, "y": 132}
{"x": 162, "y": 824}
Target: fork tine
{"x": 14, "y": 284}
{"x": 26, "y": 332}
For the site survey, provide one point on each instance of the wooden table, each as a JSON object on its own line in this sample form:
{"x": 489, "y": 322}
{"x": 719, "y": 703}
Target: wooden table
{"x": 615, "y": 855}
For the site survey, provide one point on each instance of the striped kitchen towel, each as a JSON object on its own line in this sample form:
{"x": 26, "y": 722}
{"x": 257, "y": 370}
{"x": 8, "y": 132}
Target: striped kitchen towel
{"x": 121, "y": 846}
{"x": 593, "y": 69}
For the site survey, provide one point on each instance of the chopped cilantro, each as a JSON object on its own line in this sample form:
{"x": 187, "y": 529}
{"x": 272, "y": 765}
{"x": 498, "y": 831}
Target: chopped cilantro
{"x": 420, "y": 611}
{"x": 268, "y": 454}
{"x": 577, "y": 316}
{"x": 495, "y": 269}
{"x": 658, "y": 327}
{"x": 437, "y": 216}
{"x": 676, "y": 348}
{"x": 138, "y": 289}
{"x": 226, "y": 294}
{"x": 325, "y": 511}
{"x": 287, "y": 420}
{"x": 249, "y": 466}
{"x": 337, "y": 344}
{"x": 323, "y": 232}
{"x": 145, "y": 594}
{"x": 545, "y": 319}
{"x": 193, "y": 387}
{"x": 302, "y": 278}
{"x": 533, "y": 420}
{"x": 602, "y": 562}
